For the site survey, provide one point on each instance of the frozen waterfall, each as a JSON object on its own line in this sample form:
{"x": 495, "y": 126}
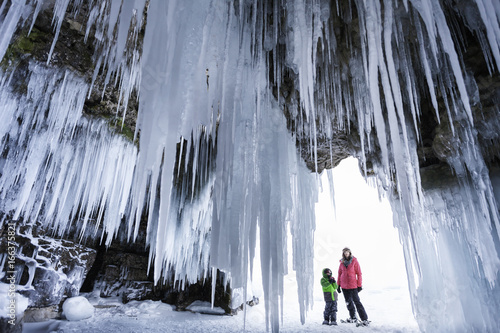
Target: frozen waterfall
{"x": 216, "y": 164}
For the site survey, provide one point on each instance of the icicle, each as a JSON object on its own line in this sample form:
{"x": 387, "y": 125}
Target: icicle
{"x": 35, "y": 14}
{"x": 214, "y": 282}
{"x": 9, "y": 24}
{"x": 491, "y": 16}
{"x": 59, "y": 12}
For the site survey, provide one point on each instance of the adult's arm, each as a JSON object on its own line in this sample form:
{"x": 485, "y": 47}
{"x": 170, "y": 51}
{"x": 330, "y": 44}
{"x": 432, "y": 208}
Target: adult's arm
{"x": 357, "y": 270}
{"x": 339, "y": 274}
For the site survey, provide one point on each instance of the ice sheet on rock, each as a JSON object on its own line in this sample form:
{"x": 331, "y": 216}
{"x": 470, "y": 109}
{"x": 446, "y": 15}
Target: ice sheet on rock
{"x": 453, "y": 224}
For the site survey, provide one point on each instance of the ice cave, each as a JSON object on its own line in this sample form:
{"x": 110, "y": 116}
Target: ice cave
{"x": 151, "y": 145}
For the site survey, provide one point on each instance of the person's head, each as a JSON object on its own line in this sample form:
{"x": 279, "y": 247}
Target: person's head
{"x": 327, "y": 273}
{"x": 346, "y": 253}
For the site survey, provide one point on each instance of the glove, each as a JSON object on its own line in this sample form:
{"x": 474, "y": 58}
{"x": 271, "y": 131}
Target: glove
{"x": 332, "y": 280}
{"x": 339, "y": 290}
{"x": 359, "y": 289}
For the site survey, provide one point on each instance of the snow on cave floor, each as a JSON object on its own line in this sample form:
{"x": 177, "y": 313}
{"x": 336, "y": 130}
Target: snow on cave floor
{"x": 389, "y": 310}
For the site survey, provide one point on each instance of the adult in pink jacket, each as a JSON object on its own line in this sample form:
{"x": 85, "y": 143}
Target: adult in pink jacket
{"x": 350, "y": 281}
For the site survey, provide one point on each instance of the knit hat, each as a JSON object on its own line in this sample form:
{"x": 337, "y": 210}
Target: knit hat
{"x": 346, "y": 249}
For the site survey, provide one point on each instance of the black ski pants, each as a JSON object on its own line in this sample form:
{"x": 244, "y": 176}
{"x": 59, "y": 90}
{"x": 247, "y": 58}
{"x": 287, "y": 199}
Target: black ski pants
{"x": 352, "y": 300}
{"x": 330, "y": 312}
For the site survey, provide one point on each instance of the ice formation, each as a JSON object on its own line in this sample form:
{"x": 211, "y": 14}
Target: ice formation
{"x": 202, "y": 73}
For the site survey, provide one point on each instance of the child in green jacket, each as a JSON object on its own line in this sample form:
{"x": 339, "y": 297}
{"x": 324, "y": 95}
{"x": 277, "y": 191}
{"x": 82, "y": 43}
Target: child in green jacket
{"x": 329, "y": 292}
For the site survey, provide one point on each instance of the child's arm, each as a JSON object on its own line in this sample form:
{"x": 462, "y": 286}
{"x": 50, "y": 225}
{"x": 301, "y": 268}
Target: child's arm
{"x": 333, "y": 283}
{"x": 324, "y": 282}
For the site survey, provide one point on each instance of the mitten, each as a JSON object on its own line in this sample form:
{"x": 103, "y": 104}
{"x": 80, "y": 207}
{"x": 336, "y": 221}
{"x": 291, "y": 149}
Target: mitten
{"x": 339, "y": 290}
{"x": 332, "y": 280}
{"x": 359, "y": 289}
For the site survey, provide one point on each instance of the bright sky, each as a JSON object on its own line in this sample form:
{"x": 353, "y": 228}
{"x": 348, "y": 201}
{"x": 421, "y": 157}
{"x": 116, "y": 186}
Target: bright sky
{"x": 362, "y": 223}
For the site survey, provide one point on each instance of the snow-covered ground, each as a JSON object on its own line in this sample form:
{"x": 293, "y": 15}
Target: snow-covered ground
{"x": 389, "y": 311}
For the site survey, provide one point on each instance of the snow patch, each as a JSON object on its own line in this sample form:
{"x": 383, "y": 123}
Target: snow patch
{"x": 145, "y": 308}
{"x": 21, "y": 302}
{"x": 205, "y": 307}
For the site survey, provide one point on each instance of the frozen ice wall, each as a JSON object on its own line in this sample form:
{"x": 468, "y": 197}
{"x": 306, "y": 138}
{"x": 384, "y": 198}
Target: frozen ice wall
{"x": 203, "y": 77}
{"x": 449, "y": 285}
{"x": 205, "y": 72}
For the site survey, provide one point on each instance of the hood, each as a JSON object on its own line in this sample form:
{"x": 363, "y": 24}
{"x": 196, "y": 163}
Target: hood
{"x": 324, "y": 273}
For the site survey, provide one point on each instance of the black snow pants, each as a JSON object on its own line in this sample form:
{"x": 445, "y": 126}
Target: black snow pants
{"x": 330, "y": 312}
{"x": 352, "y": 299}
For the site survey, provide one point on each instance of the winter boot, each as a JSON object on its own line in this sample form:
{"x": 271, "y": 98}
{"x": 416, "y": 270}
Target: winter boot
{"x": 351, "y": 320}
{"x": 325, "y": 322}
{"x": 333, "y": 323}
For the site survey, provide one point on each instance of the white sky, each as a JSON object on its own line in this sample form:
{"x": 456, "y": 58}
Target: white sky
{"x": 362, "y": 223}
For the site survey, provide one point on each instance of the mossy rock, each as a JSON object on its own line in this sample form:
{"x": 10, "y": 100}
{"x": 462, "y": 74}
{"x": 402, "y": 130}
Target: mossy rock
{"x": 24, "y": 46}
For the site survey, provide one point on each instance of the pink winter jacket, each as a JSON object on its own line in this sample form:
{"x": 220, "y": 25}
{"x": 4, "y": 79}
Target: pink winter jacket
{"x": 350, "y": 276}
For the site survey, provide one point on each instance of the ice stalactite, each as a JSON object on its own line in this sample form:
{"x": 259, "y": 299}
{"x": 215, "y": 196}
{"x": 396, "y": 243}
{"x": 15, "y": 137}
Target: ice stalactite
{"x": 454, "y": 234}
{"x": 70, "y": 168}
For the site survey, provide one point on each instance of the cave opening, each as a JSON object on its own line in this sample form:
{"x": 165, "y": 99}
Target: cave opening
{"x": 363, "y": 222}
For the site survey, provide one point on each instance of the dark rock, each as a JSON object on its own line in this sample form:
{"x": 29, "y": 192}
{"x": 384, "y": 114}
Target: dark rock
{"x": 6, "y": 325}
{"x": 33, "y": 315}
{"x": 48, "y": 269}
{"x": 202, "y": 290}
{"x": 254, "y": 301}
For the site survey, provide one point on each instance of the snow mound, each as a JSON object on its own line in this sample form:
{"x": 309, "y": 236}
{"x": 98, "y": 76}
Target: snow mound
{"x": 77, "y": 308}
{"x": 205, "y": 307}
{"x": 144, "y": 308}
{"x": 100, "y": 302}
{"x": 7, "y": 293}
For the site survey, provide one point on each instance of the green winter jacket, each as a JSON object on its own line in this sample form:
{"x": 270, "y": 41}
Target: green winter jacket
{"x": 328, "y": 288}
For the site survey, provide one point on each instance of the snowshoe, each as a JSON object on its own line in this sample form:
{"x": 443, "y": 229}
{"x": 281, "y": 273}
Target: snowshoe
{"x": 349, "y": 320}
{"x": 363, "y": 323}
